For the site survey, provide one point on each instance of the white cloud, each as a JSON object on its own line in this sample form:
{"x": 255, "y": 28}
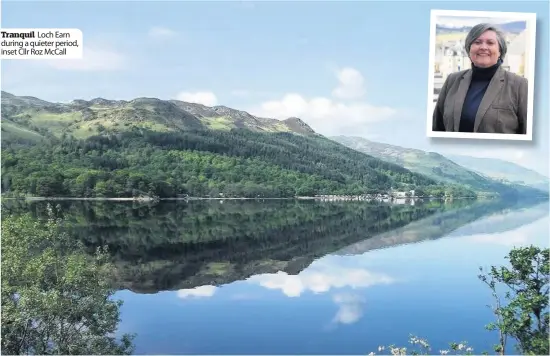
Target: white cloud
{"x": 197, "y": 292}
{"x": 158, "y": 32}
{"x": 93, "y": 59}
{"x": 323, "y": 276}
{"x": 350, "y": 308}
{"x": 351, "y": 84}
{"x": 320, "y": 280}
{"x": 329, "y": 116}
{"x": 325, "y": 115}
{"x": 206, "y": 98}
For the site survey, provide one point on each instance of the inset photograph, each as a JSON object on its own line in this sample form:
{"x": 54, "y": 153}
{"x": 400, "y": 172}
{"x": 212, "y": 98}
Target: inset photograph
{"x": 481, "y": 76}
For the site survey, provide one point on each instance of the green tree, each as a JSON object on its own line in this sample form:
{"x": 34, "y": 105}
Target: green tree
{"x": 419, "y": 192}
{"x": 56, "y": 299}
{"x": 523, "y": 312}
{"x": 101, "y": 189}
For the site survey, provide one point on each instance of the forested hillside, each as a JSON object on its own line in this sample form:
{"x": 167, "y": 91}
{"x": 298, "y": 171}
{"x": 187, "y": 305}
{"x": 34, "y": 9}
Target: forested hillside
{"x": 104, "y": 148}
{"x": 200, "y": 163}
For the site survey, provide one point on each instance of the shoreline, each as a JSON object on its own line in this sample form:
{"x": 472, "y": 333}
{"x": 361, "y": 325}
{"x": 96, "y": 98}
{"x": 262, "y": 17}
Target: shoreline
{"x": 145, "y": 199}
{"x": 323, "y": 199}
{"x": 149, "y": 199}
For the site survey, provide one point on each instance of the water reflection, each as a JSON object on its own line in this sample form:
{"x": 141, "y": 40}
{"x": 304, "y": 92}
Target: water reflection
{"x": 320, "y": 278}
{"x": 174, "y": 246}
{"x": 293, "y": 278}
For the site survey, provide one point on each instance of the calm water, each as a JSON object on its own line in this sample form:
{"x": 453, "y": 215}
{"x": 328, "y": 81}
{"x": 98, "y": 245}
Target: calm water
{"x": 291, "y": 277}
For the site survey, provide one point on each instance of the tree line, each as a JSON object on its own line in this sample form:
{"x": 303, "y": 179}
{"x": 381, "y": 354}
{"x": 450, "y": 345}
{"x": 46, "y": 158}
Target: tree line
{"x": 239, "y": 163}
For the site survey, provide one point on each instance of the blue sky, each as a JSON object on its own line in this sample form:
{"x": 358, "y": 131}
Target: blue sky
{"x": 352, "y": 68}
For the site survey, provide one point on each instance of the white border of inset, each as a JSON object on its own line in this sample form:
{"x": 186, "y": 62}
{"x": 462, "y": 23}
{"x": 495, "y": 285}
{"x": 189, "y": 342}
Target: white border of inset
{"x": 531, "y": 25}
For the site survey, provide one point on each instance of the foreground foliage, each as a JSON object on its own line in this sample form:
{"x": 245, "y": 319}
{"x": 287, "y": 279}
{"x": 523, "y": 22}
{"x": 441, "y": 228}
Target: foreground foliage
{"x": 522, "y": 313}
{"x": 55, "y": 298}
{"x": 520, "y": 292}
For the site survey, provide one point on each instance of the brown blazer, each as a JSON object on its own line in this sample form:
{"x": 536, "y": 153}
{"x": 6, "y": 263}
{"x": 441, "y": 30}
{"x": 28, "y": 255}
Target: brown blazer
{"x": 503, "y": 108}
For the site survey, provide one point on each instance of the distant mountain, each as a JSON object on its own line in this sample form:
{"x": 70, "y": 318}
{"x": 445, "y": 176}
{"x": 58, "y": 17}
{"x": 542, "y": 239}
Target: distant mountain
{"x": 514, "y": 27}
{"x": 440, "y": 29}
{"x": 504, "y": 171}
{"x": 166, "y": 148}
{"x": 509, "y": 27}
{"x": 430, "y": 164}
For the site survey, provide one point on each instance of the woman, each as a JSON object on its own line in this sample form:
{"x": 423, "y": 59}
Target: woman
{"x": 486, "y": 98}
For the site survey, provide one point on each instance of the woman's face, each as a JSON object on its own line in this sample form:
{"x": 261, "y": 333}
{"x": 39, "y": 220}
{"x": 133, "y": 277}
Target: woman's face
{"x": 485, "y": 51}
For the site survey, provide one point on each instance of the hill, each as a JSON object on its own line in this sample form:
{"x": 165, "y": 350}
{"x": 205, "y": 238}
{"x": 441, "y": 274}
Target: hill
{"x": 508, "y": 27}
{"x": 514, "y": 26}
{"x": 504, "y": 171}
{"x": 107, "y": 148}
{"x": 430, "y": 164}
{"x": 83, "y": 119}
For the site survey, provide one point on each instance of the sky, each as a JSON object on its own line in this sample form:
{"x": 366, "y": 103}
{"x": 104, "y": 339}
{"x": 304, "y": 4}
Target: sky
{"x": 345, "y": 68}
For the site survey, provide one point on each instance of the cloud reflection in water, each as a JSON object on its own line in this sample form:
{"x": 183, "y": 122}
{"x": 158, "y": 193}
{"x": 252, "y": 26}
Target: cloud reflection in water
{"x": 320, "y": 279}
{"x": 197, "y": 292}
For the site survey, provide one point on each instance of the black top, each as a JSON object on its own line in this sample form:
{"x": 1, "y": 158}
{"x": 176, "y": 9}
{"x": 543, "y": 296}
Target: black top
{"x": 481, "y": 77}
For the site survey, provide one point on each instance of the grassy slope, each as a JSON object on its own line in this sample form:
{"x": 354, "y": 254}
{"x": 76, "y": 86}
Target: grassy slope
{"x": 83, "y": 119}
{"x": 11, "y": 131}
